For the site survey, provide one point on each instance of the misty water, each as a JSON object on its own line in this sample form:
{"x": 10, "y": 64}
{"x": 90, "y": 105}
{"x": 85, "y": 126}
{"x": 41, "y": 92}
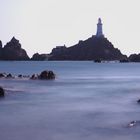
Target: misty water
{"x": 87, "y": 101}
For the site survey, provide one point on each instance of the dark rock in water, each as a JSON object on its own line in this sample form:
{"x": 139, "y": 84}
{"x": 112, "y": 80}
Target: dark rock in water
{"x": 34, "y": 77}
{"x": 2, "y": 75}
{"x": 20, "y": 76}
{"x": 97, "y": 61}
{"x": 134, "y": 123}
{"x": 138, "y": 101}
{"x": 9, "y": 75}
{"x": 47, "y": 75}
{"x": 51, "y": 75}
{"x": 39, "y": 57}
{"x": 26, "y": 76}
{"x": 1, "y": 92}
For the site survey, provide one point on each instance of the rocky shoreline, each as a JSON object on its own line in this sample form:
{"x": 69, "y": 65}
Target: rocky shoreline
{"x": 44, "y": 75}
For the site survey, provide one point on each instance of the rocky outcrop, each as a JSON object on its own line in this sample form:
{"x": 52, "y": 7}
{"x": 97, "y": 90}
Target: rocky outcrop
{"x": 94, "y": 48}
{"x": 47, "y": 75}
{"x": 39, "y": 57}
{"x": 13, "y": 51}
{"x": 138, "y": 101}
{"x": 1, "y": 92}
{"x": 44, "y": 75}
{"x": 134, "y": 58}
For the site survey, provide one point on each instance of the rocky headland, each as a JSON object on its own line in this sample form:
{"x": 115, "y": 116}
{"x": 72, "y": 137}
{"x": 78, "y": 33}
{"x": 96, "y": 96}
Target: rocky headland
{"x": 94, "y": 48}
{"x": 13, "y": 51}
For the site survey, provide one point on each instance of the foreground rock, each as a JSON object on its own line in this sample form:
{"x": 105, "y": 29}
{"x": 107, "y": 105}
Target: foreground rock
{"x": 1, "y": 92}
{"x": 138, "y": 101}
{"x": 134, "y": 123}
{"x": 4, "y": 75}
{"x": 44, "y": 75}
{"x": 47, "y": 75}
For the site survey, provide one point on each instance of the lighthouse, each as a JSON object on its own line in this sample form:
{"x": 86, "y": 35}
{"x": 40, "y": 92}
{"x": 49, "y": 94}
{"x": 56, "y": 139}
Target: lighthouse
{"x": 99, "y": 29}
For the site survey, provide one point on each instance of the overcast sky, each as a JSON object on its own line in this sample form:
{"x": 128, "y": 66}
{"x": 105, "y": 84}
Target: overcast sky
{"x": 40, "y": 25}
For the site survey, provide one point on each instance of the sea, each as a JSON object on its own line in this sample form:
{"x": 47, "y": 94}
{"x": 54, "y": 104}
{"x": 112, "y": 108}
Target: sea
{"x": 86, "y": 101}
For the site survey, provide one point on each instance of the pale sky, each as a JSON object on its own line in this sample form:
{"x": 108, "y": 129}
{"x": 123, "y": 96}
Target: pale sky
{"x": 41, "y": 25}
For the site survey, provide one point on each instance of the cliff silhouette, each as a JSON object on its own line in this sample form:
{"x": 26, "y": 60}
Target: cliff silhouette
{"x": 94, "y": 48}
{"x": 13, "y": 51}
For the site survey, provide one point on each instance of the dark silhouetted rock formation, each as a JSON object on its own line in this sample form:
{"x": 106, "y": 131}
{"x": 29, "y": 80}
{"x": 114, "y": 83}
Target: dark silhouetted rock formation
{"x": 39, "y": 57}
{"x": 44, "y": 75}
{"x": 0, "y": 49}
{"x": 134, "y": 58}
{"x": 1, "y": 92}
{"x": 126, "y": 60}
{"x": 97, "y": 61}
{"x": 13, "y": 51}
{"x": 138, "y": 101}
{"x": 0, "y": 44}
{"x": 47, "y": 75}
{"x": 94, "y": 48}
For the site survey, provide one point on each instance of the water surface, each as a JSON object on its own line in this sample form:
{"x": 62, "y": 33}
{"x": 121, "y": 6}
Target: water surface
{"x": 87, "y": 101}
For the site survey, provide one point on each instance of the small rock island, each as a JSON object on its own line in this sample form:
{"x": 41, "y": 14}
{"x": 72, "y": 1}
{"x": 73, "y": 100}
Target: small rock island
{"x": 96, "y": 47}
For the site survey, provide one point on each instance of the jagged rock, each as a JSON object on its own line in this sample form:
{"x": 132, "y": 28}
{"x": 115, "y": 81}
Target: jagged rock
{"x": 132, "y": 124}
{"x": 97, "y": 61}
{"x": 1, "y": 92}
{"x": 138, "y": 101}
{"x": 94, "y": 48}
{"x": 34, "y": 77}
{"x": 9, "y": 75}
{"x": 134, "y": 58}
{"x": 20, "y": 76}
{"x": 2, "y": 75}
{"x": 13, "y": 51}
{"x": 47, "y": 75}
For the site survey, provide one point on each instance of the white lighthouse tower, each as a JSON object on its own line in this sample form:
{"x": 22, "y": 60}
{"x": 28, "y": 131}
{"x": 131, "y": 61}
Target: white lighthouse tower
{"x": 99, "y": 29}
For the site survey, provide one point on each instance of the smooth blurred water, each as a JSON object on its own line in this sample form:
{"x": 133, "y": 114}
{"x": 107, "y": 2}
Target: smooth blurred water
{"x": 87, "y": 101}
